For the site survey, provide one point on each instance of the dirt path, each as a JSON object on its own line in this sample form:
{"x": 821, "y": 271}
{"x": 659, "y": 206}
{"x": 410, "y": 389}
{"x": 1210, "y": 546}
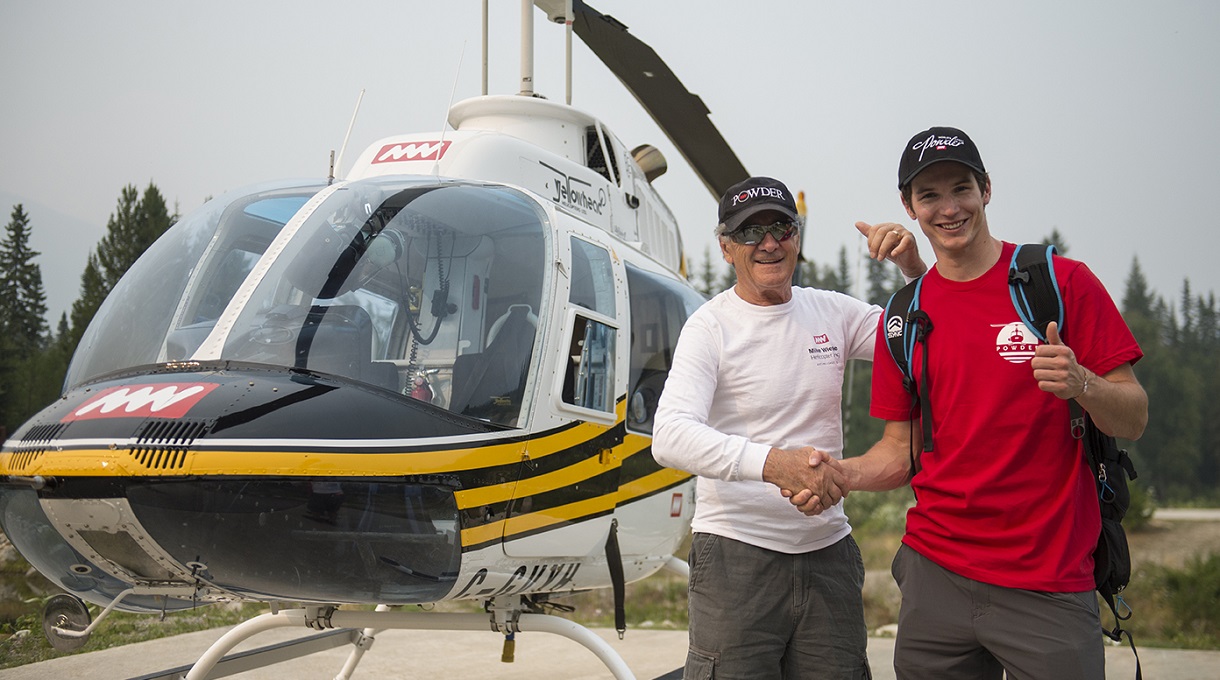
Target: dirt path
{"x": 1171, "y": 542}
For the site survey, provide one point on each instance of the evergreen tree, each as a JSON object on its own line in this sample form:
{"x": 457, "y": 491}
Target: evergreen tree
{"x": 728, "y": 280}
{"x": 1204, "y": 360}
{"x": 155, "y": 217}
{"x": 1208, "y": 325}
{"x": 63, "y": 335}
{"x": 23, "y": 304}
{"x": 1179, "y": 453}
{"x": 52, "y": 367}
{"x": 23, "y": 327}
{"x": 122, "y": 243}
{"x": 132, "y": 228}
{"x": 707, "y": 275}
{"x": 93, "y": 291}
{"x": 1169, "y": 453}
{"x": 809, "y": 274}
{"x": 1137, "y": 299}
{"x": 837, "y": 279}
{"x": 879, "y": 282}
{"x": 844, "y": 276}
{"x": 1188, "y": 317}
{"x": 1056, "y": 239}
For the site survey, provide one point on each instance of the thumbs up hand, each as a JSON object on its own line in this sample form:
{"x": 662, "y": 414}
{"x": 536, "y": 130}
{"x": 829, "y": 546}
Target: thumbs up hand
{"x": 1056, "y": 369}
{"x": 1052, "y": 334}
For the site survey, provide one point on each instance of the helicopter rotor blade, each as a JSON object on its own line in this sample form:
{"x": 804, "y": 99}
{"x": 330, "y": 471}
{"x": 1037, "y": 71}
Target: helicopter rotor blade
{"x": 682, "y": 115}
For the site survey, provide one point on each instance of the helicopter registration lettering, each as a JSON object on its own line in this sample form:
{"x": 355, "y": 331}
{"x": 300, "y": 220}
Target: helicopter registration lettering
{"x": 538, "y": 578}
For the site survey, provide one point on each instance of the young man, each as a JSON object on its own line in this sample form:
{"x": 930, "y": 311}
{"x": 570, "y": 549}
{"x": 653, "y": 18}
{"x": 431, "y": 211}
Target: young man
{"x": 756, "y": 383}
{"x": 995, "y": 568}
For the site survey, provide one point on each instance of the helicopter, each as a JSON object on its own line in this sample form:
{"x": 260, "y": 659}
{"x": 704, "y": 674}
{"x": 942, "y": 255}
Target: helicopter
{"x": 431, "y": 379}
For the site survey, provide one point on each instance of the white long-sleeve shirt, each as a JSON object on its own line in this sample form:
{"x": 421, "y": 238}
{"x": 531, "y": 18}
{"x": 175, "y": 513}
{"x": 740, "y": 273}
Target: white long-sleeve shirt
{"x": 745, "y": 378}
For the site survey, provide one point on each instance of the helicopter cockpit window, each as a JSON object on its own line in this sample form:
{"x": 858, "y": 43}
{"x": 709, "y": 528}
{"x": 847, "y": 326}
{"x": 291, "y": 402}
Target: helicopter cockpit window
{"x": 589, "y": 380}
{"x": 592, "y": 277}
{"x": 248, "y": 227}
{"x": 428, "y": 290}
{"x": 659, "y": 308}
{"x": 611, "y": 157}
{"x": 169, "y": 300}
{"x": 596, "y": 156}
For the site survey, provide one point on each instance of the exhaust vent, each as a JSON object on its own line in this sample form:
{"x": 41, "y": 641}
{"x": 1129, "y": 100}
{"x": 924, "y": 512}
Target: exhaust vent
{"x": 163, "y": 444}
{"x": 33, "y": 445}
{"x": 42, "y": 435}
{"x": 23, "y": 459}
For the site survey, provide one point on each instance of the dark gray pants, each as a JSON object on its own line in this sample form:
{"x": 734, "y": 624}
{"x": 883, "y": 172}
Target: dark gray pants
{"x": 953, "y": 627}
{"x": 761, "y": 615}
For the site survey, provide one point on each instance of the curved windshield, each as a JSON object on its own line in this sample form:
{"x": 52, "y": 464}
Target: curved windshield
{"x": 167, "y": 302}
{"x": 431, "y": 290}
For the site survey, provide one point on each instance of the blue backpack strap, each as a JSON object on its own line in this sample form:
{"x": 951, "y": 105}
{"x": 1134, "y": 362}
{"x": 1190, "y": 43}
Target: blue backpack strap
{"x": 1034, "y": 288}
{"x": 905, "y": 326}
{"x": 899, "y": 341}
{"x": 1035, "y": 295}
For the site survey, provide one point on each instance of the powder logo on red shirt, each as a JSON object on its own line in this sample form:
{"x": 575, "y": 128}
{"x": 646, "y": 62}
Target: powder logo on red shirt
{"x": 1016, "y": 343}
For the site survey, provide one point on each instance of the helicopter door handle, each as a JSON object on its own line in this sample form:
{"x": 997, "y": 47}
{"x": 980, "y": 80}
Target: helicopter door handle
{"x": 633, "y": 202}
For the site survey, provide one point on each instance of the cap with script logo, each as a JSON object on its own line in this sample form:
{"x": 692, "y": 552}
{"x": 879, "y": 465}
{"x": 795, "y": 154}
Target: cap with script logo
{"x": 933, "y": 146}
{"x": 753, "y": 196}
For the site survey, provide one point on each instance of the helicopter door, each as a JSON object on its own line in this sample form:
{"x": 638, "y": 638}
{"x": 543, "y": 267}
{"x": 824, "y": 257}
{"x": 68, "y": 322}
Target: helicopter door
{"x": 570, "y": 480}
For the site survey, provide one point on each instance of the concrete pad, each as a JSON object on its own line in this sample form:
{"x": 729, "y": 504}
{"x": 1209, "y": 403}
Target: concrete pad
{"x": 539, "y": 656}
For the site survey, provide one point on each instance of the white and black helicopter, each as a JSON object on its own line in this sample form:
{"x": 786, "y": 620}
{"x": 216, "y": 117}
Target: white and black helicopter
{"x": 431, "y": 380}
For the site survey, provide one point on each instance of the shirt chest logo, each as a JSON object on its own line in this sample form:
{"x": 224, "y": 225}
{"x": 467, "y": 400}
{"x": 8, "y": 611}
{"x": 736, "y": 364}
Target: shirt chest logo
{"x": 1015, "y": 343}
{"x": 823, "y": 350}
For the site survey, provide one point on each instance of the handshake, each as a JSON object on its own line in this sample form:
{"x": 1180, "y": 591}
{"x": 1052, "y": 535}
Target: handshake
{"x": 812, "y": 480}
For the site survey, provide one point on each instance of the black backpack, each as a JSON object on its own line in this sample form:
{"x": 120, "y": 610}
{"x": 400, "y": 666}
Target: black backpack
{"x": 1035, "y": 295}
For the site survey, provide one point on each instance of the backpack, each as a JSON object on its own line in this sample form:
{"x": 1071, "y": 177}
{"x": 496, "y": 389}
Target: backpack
{"x": 1036, "y": 297}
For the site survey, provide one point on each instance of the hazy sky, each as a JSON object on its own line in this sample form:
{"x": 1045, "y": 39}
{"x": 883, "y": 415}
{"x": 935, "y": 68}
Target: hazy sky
{"x": 1101, "y": 119}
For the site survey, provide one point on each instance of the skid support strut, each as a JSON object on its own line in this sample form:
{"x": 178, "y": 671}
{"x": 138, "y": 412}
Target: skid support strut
{"x": 374, "y": 621}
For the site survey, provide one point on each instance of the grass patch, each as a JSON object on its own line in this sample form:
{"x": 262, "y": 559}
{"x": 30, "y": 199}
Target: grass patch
{"x": 1175, "y": 606}
{"x": 22, "y": 641}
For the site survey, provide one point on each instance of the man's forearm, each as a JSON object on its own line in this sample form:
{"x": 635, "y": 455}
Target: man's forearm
{"x": 885, "y": 466}
{"x": 1117, "y": 403}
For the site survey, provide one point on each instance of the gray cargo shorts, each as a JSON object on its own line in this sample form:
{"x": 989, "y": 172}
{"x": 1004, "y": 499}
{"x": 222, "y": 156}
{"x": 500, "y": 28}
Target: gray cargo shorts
{"x": 760, "y": 614}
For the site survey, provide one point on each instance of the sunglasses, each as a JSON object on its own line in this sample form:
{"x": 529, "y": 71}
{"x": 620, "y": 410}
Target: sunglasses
{"x": 755, "y": 233}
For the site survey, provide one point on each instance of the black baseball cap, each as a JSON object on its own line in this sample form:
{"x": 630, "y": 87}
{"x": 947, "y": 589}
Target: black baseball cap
{"x": 933, "y": 146}
{"x": 753, "y": 196}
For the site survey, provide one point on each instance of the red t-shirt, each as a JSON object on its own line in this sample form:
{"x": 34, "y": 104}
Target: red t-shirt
{"x": 1006, "y": 496}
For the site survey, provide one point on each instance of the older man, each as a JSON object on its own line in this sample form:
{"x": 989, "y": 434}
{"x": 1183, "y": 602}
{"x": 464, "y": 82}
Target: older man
{"x": 754, "y": 392}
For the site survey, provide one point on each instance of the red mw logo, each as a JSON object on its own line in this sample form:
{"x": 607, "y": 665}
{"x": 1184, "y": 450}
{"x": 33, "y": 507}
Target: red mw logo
{"x": 411, "y": 151}
{"x": 162, "y": 400}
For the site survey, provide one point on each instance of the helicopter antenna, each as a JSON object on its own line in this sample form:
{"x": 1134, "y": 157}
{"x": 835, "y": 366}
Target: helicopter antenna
{"x": 343, "y": 148}
{"x": 527, "y": 48}
{"x": 436, "y": 165}
{"x": 485, "y": 11}
{"x": 567, "y": 49}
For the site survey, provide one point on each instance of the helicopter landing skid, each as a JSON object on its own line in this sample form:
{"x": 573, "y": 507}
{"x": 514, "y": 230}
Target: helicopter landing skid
{"x": 505, "y": 619}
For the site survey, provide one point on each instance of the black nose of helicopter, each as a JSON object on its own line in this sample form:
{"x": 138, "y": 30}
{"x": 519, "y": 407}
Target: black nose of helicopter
{"x": 258, "y": 481}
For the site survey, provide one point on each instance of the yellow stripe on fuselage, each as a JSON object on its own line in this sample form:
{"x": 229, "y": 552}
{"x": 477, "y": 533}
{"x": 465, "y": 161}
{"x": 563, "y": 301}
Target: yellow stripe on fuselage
{"x": 532, "y": 521}
{"x": 120, "y": 462}
{"x": 114, "y": 461}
